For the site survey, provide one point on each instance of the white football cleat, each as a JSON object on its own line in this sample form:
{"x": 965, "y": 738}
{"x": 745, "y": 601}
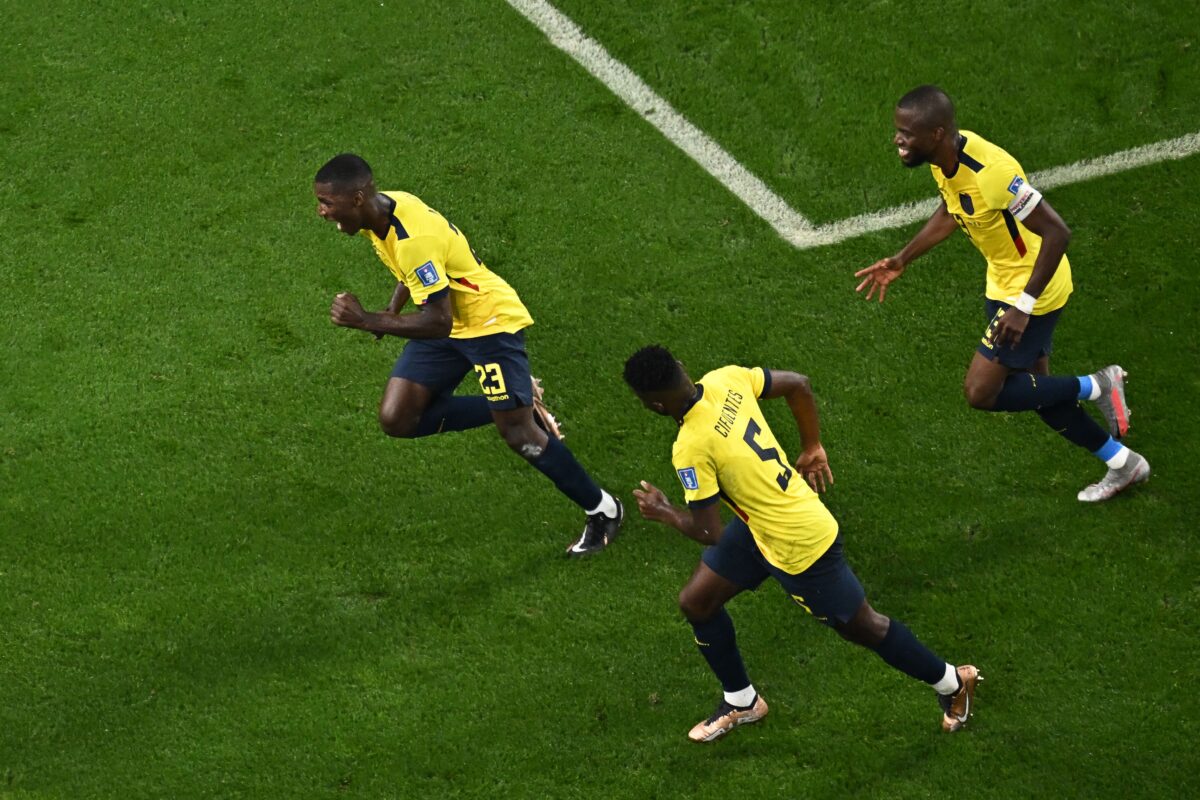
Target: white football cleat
{"x": 1136, "y": 470}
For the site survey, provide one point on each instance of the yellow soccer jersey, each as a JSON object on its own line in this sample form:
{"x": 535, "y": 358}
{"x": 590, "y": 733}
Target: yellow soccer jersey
{"x": 726, "y": 449}
{"x": 989, "y": 197}
{"x": 429, "y": 256}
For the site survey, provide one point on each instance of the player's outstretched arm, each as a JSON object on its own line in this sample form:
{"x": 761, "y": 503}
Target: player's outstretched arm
{"x": 433, "y": 320}
{"x": 879, "y": 275}
{"x": 701, "y": 524}
{"x": 813, "y": 464}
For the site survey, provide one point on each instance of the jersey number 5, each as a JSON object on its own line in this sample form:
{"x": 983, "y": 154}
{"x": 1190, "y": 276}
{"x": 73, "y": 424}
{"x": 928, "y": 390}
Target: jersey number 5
{"x": 767, "y": 454}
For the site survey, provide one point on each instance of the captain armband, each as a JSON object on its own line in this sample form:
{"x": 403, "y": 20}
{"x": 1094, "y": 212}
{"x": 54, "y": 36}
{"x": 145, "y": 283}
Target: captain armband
{"x": 1025, "y": 198}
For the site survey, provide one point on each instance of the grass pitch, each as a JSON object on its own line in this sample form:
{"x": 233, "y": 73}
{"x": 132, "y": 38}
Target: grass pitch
{"x": 222, "y": 581}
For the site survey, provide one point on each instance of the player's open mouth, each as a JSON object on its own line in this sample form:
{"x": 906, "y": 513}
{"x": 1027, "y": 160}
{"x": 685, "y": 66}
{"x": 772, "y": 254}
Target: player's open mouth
{"x": 903, "y": 151}
{"x": 340, "y": 228}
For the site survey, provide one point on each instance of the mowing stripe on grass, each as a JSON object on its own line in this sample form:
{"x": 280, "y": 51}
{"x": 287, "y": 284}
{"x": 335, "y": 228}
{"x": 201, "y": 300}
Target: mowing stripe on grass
{"x": 793, "y": 227}
{"x": 566, "y": 36}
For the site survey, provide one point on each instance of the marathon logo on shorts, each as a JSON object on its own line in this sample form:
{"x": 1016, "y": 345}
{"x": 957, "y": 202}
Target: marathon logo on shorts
{"x": 968, "y": 206}
{"x": 427, "y": 274}
{"x": 687, "y": 477}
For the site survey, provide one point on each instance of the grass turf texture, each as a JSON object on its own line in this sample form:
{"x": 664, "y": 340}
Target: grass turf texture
{"x": 222, "y": 580}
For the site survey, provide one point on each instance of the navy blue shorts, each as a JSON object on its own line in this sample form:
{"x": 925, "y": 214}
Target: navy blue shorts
{"x": 499, "y": 361}
{"x": 828, "y": 589}
{"x": 1037, "y": 341}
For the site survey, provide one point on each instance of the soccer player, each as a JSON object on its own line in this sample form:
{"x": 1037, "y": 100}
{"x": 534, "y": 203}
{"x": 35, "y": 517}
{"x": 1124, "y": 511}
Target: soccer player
{"x": 725, "y": 450}
{"x": 985, "y": 192}
{"x": 466, "y": 317}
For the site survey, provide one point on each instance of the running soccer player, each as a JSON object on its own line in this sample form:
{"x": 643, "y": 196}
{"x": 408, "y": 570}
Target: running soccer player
{"x": 725, "y": 450}
{"x": 985, "y": 192}
{"x": 466, "y": 317}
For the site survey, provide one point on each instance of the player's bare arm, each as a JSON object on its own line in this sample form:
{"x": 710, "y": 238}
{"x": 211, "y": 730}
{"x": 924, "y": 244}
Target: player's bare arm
{"x": 432, "y": 320}
{"x": 813, "y": 464}
{"x": 1046, "y": 223}
{"x": 702, "y": 524}
{"x": 399, "y": 298}
{"x": 879, "y": 275}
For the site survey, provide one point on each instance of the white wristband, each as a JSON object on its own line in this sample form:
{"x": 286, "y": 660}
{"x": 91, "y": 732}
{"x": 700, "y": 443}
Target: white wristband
{"x": 1025, "y": 303}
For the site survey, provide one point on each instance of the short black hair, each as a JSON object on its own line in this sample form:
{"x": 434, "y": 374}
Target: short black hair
{"x": 345, "y": 171}
{"x": 653, "y": 369}
{"x": 933, "y": 106}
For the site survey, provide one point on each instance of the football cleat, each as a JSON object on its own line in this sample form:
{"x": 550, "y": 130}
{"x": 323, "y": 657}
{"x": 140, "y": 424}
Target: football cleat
{"x": 726, "y": 718}
{"x": 541, "y": 414}
{"x": 1111, "y": 401}
{"x": 598, "y": 532}
{"x": 1136, "y": 470}
{"x": 956, "y": 708}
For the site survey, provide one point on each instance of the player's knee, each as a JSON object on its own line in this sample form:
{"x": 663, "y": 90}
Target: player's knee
{"x": 867, "y": 627}
{"x": 695, "y": 606}
{"x": 980, "y": 396}
{"x": 399, "y": 423}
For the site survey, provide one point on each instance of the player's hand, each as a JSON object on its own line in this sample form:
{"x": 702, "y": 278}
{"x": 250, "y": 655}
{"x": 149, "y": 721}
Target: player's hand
{"x": 813, "y": 464}
{"x": 347, "y": 311}
{"x": 652, "y": 503}
{"x": 1011, "y": 327}
{"x": 879, "y": 275}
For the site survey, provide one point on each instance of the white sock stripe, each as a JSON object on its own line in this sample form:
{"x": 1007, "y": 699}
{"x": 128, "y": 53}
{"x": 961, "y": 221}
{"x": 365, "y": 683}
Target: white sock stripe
{"x": 747, "y": 187}
{"x": 608, "y": 505}
{"x": 741, "y": 698}
{"x": 1118, "y": 459}
{"x": 949, "y": 682}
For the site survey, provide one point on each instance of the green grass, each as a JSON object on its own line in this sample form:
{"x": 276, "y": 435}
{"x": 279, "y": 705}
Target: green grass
{"x": 222, "y": 581}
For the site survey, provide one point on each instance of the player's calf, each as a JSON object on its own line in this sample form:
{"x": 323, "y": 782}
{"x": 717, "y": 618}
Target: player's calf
{"x": 518, "y": 430}
{"x": 552, "y": 458}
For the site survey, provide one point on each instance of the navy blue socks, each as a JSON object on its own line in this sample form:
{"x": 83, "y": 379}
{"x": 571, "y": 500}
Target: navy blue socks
{"x": 1024, "y": 391}
{"x": 559, "y": 465}
{"x": 449, "y": 413}
{"x": 1055, "y": 398}
{"x": 1071, "y": 422}
{"x": 718, "y": 645}
{"x": 903, "y": 651}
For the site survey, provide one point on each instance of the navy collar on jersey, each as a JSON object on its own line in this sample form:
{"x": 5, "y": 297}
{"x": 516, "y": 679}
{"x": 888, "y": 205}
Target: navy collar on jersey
{"x": 963, "y": 158}
{"x": 393, "y": 220}
{"x": 695, "y": 399}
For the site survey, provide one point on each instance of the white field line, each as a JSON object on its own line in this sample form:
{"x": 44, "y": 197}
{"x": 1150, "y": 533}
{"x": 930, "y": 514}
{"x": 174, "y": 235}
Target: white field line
{"x": 1080, "y": 171}
{"x": 566, "y": 36}
{"x": 794, "y": 228}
